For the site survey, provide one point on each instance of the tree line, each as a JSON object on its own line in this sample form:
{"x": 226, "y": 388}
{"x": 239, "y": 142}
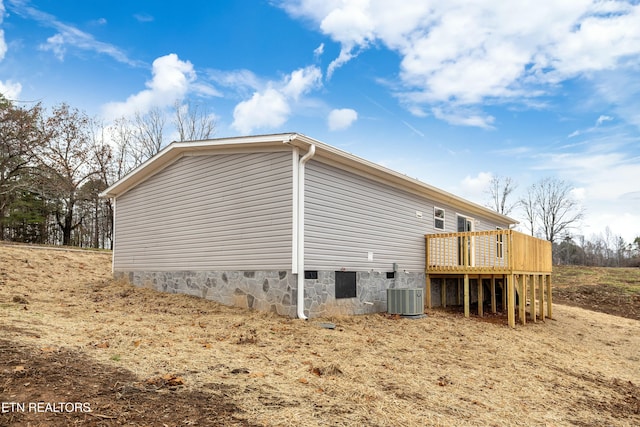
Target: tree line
{"x": 55, "y": 162}
{"x": 552, "y": 213}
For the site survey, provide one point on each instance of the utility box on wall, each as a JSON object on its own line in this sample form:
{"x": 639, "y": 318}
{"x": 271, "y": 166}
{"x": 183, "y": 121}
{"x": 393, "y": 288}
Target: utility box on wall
{"x": 409, "y": 302}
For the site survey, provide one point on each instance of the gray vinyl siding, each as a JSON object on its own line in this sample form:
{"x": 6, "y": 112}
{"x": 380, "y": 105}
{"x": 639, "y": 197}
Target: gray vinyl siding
{"x": 209, "y": 212}
{"x": 349, "y": 215}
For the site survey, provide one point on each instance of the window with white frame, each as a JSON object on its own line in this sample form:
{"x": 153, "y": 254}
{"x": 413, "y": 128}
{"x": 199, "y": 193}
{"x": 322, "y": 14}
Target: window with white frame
{"x": 499, "y": 244}
{"x": 438, "y": 218}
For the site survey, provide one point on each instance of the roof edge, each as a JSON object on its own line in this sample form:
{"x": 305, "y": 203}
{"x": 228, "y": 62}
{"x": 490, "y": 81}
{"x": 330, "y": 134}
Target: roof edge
{"x": 175, "y": 150}
{"x": 401, "y": 179}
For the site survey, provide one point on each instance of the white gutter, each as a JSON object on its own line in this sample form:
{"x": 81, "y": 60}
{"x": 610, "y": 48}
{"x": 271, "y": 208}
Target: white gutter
{"x": 300, "y": 230}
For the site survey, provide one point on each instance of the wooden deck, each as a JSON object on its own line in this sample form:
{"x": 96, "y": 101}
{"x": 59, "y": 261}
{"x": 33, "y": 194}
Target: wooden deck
{"x": 519, "y": 263}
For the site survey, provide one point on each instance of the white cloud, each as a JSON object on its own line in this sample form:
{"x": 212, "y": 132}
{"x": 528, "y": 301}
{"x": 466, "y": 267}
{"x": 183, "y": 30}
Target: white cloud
{"x": 464, "y": 117}
{"x": 621, "y": 90}
{"x": 603, "y": 119}
{"x": 599, "y": 122}
{"x": 269, "y": 106}
{"x": 267, "y": 109}
{"x": 622, "y": 223}
{"x": 351, "y": 25}
{"x": 301, "y": 81}
{"x": 605, "y": 181}
{"x": 3, "y": 44}
{"x": 10, "y": 89}
{"x": 172, "y": 79}
{"x": 458, "y": 54}
{"x": 579, "y": 194}
{"x": 345, "y": 56}
{"x": 68, "y": 36}
{"x": 317, "y": 52}
{"x": 243, "y": 81}
{"x": 143, "y": 17}
{"x": 474, "y": 186}
{"x": 57, "y": 45}
{"x": 340, "y": 119}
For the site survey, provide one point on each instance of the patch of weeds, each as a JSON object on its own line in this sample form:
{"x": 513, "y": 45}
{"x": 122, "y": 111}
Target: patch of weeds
{"x": 116, "y": 357}
{"x": 19, "y": 299}
{"x": 249, "y": 337}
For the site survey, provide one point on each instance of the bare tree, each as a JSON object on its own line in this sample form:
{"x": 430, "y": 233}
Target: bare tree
{"x": 110, "y": 168}
{"x": 192, "y": 122}
{"x": 122, "y": 136}
{"x": 148, "y": 134}
{"x": 66, "y": 164}
{"x": 500, "y": 189}
{"x": 550, "y": 208}
{"x": 143, "y": 136}
{"x": 529, "y": 206}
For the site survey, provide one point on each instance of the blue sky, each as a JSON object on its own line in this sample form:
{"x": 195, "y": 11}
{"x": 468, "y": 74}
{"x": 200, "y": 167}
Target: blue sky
{"x": 451, "y": 93}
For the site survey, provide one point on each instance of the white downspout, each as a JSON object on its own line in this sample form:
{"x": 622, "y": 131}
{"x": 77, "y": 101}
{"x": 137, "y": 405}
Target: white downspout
{"x": 300, "y": 231}
{"x": 294, "y": 211}
{"x": 113, "y": 237}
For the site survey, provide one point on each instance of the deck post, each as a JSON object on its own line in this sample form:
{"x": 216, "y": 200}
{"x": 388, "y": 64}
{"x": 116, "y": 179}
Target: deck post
{"x": 541, "y": 283}
{"x": 466, "y": 295}
{"x": 443, "y": 292}
{"x": 532, "y": 292}
{"x": 493, "y": 294}
{"x": 523, "y": 299}
{"x": 511, "y": 299}
{"x": 480, "y": 296}
{"x": 503, "y": 286}
{"x": 549, "y": 306}
{"x": 427, "y": 294}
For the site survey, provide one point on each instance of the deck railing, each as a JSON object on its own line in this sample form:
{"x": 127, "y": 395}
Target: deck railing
{"x": 487, "y": 252}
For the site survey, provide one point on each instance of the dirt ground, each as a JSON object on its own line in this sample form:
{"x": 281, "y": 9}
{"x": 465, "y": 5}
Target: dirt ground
{"x": 77, "y": 348}
{"x": 608, "y": 290}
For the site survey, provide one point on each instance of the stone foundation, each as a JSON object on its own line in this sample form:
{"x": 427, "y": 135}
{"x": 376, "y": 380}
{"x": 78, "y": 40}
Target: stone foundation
{"x": 276, "y": 291}
{"x": 371, "y": 292}
{"x": 263, "y": 290}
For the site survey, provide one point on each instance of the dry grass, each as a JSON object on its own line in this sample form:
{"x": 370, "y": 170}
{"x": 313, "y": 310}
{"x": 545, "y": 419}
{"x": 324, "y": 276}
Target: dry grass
{"x": 626, "y": 279}
{"x": 582, "y": 368}
{"x": 609, "y": 290}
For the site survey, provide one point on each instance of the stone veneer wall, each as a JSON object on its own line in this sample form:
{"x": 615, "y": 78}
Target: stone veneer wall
{"x": 276, "y": 291}
{"x": 371, "y": 292}
{"x": 263, "y": 290}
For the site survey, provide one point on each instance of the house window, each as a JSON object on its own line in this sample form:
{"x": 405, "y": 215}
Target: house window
{"x": 438, "y": 218}
{"x": 345, "y": 284}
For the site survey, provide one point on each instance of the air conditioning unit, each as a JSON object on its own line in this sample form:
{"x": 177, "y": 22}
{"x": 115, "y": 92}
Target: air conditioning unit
{"x": 408, "y": 302}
